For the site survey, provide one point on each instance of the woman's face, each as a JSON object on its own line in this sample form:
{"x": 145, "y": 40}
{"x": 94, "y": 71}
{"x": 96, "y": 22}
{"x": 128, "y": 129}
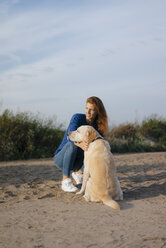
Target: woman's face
{"x": 90, "y": 113}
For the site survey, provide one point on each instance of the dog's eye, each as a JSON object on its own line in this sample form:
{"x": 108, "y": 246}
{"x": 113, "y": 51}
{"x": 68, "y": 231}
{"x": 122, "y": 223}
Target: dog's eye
{"x": 77, "y": 131}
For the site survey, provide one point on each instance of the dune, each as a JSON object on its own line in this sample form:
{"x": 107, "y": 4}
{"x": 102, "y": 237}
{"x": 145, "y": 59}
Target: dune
{"x": 36, "y": 213}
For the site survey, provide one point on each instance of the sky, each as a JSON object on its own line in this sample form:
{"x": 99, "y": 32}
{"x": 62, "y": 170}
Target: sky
{"x": 55, "y": 54}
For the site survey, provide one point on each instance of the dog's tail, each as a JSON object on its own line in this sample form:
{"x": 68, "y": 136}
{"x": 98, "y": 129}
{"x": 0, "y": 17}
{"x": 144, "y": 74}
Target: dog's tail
{"x": 111, "y": 203}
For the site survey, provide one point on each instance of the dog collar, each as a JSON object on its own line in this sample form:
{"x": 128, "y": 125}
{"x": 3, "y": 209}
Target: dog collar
{"x": 99, "y": 137}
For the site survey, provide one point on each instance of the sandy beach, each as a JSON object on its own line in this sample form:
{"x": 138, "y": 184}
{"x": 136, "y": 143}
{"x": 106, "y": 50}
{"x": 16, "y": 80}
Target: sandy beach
{"x": 35, "y": 213}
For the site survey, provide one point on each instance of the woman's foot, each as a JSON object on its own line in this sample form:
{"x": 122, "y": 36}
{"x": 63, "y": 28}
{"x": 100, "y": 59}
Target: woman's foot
{"x": 67, "y": 186}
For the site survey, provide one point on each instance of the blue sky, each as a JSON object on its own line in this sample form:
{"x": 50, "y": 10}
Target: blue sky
{"x": 55, "y": 54}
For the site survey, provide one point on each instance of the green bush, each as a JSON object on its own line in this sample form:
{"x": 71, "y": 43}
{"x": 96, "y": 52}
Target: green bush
{"x": 155, "y": 129}
{"x": 126, "y": 132}
{"x": 150, "y": 136}
{"x": 24, "y": 136}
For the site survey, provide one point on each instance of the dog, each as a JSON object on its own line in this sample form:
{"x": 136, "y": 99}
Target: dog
{"x": 100, "y": 183}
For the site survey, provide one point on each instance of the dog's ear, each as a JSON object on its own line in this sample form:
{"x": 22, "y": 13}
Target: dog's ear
{"x": 90, "y": 135}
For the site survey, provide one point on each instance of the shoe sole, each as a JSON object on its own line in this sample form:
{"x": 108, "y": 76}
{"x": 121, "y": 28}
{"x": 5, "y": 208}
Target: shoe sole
{"x": 70, "y": 190}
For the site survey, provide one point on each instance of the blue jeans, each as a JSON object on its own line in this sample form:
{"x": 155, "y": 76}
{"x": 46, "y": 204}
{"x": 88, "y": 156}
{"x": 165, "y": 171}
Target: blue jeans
{"x": 69, "y": 159}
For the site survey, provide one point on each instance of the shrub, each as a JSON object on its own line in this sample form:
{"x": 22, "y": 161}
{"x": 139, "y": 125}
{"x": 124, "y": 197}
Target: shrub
{"x": 148, "y": 137}
{"x": 124, "y": 133}
{"x": 24, "y": 136}
{"x": 155, "y": 129}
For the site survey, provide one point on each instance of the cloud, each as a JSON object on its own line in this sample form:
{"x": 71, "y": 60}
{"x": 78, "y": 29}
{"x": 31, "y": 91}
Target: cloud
{"x": 115, "y": 50}
{"x": 32, "y": 35}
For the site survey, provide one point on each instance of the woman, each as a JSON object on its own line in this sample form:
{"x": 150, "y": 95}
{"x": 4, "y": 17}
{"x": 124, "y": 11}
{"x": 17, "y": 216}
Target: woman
{"x": 69, "y": 156}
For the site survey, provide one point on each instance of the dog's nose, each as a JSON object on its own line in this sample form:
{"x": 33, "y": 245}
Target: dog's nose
{"x": 69, "y": 133}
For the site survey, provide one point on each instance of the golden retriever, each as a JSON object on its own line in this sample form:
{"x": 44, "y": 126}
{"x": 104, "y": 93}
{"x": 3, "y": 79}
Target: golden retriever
{"x": 100, "y": 182}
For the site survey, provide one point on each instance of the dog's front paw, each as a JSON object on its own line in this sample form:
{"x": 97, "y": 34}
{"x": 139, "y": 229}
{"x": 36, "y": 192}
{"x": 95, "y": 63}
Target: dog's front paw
{"x": 87, "y": 198}
{"x": 79, "y": 192}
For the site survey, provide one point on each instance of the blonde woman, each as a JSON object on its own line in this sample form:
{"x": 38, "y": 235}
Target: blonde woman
{"x": 69, "y": 156}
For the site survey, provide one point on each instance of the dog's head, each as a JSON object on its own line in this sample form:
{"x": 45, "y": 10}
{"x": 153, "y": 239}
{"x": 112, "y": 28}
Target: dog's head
{"x": 84, "y": 133}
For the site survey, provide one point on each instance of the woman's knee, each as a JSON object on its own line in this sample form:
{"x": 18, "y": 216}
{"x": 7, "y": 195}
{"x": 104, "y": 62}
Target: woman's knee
{"x": 57, "y": 162}
{"x": 71, "y": 147}
{"x": 68, "y": 151}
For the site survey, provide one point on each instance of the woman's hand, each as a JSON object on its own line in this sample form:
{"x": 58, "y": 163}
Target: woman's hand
{"x": 83, "y": 145}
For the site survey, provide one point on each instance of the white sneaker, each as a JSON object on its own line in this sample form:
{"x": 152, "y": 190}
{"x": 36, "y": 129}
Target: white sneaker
{"x": 68, "y": 186}
{"x": 77, "y": 177}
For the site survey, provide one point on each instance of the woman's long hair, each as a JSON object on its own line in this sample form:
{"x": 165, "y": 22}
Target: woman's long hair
{"x": 101, "y": 117}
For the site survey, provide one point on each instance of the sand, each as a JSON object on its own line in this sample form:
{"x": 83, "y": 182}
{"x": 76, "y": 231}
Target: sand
{"x": 35, "y": 213}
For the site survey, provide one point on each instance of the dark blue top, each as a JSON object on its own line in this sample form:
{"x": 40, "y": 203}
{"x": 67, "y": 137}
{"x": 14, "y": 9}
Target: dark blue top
{"x": 77, "y": 120}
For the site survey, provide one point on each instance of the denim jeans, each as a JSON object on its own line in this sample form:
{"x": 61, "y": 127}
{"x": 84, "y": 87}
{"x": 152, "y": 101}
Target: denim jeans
{"x": 69, "y": 159}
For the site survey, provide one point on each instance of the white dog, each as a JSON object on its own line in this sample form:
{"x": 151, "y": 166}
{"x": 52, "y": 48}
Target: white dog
{"x": 100, "y": 182}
